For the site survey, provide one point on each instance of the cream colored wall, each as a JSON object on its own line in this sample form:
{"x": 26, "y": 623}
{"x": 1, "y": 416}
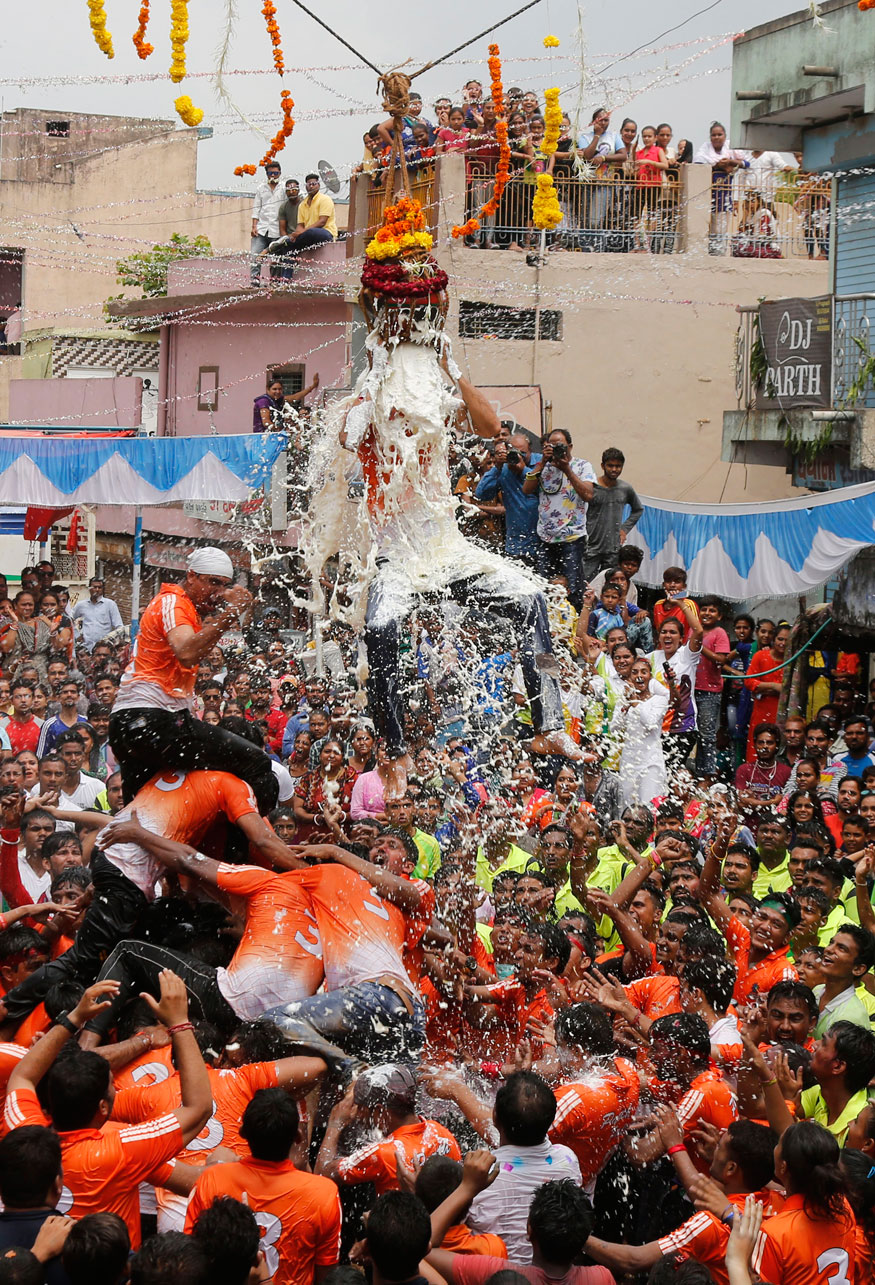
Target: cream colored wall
{"x": 123, "y": 200}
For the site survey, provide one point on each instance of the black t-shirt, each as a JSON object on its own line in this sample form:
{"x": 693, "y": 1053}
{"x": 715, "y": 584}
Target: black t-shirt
{"x": 20, "y": 1228}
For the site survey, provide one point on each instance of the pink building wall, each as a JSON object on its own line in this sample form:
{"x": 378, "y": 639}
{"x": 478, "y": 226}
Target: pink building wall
{"x": 77, "y": 403}
{"x": 244, "y": 341}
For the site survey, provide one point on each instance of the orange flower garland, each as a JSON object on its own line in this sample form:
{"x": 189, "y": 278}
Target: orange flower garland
{"x": 278, "y": 142}
{"x": 141, "y": 45}
{"x": 502, "y": 172}
{"x": 865, "y": 4}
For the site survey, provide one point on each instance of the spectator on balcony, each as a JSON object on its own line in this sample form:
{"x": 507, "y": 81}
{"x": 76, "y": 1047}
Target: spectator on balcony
{"x": 606, "y": 527}
{"x": 757, "y": 235}
{"x": 481, "y": 158}
{"x": 473, "y": 100}
{"x": 370, "y": 162}
{"x": 664, "y": 243}
{"x": 269, "y": 413}
{"x": 269, "y": 196}
{"x": 763, "y": 171}
{"x": 599, "y": 144}
{"x": 420, "y": 157}
{"x": 530, "y": 107}
{"x": 664, "y": 135}
{"x": 536, "y": 164}
{"x": 288, "y": 211}
{"x": 512, "y": 460}
{"x": 316, "y": 222}
{"x": 652, "y": 167}
{"x": 812, "y": 204}
{"x": 454, "y": 136}
{"x": 408, "y": 120}
{"x": 442, "y": 112}
{"x": 564, "y": 486}
{"x": 724, "y": 161}
{"x": 415, "y": 117}
{"x": 512, "y": 214}
{"x": 601, "y": 147}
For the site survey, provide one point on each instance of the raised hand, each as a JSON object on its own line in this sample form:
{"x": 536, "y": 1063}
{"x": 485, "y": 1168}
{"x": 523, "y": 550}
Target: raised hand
{"x": 172, "y": 1007}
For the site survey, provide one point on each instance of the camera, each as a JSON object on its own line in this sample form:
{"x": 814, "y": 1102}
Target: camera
{"x": 560, "y": 451}
{"x": 513, "y": 457}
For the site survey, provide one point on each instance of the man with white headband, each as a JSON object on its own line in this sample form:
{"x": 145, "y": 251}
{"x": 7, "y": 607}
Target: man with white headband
{"x": 152, "y": 727}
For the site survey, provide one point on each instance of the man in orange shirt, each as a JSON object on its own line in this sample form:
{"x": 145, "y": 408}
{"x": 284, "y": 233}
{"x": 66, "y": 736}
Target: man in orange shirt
{"x": 104, "y": 1163}
{"x": 298, "y": 1213}
{"x": 506, "y": 1008}
{"x": 152, "y": 726}
{"x": 599, "y": 1095}
{"x": 383, "y": 1097}
{"x": 437, "y": 1179}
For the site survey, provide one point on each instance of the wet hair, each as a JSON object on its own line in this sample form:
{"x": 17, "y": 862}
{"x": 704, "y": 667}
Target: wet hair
{"x": 524, "y": 1109}
{"x": 747, "y": 897}
{"x": 171, "y": 1257}
{"x": 687, "y": 1029}
{"x": 438, "y": 1178}
{"x": 703, "y": 940}
{"x": 270, "y": 1124}
{"x": 398, "y": 1235}
{"x": 808, "y": 892}
{"x": 54, "y": 842}
{"x": 73, "y": 876}
{"x": 811, "y": 1155}
{"x": 560, "y": 1220}
{"x": 826, "y": 866}
{"x": 864, "y": 939}
{"x": 556, "y": 944}
{"x": 856, "y": 1048}
{"x": 794, "y": 991}
{"x": 230, "y": 1237}
{"x": 856, "y": 1169}
{"x": 75, "y": 1087}
{"x": 587, "y": 1027}
{"x": 788, "y": 906}
{"x": 97, "y": 1249}
{"x": 753, "y": 1150}
{"x": 30, "y": 1162}
{"x": 714, "y": 977}
{"x": 19, "y": 941}
{"x": 36, "y": 814}
{"x": 21, "y": 1267}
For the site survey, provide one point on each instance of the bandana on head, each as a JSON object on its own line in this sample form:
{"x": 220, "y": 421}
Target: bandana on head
{"x": 210, "y": 562}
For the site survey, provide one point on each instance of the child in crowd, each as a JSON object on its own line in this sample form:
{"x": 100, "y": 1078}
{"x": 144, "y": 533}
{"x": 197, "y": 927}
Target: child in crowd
{"x": 454, "y": 136}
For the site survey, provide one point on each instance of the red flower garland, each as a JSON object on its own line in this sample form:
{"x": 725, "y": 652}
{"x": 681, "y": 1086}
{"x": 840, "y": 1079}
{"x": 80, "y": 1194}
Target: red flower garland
{"x": 392, "y": 280}
{"x": 141, "y": 45}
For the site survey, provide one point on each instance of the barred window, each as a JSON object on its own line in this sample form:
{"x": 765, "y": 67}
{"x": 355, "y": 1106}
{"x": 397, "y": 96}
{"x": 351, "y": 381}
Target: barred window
{"x": 494, "y": 321}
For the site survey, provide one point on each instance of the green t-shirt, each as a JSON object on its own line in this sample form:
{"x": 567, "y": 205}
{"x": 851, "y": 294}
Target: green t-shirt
{"x": 849, "y": 1009}
{"x": 429, "y": 855}
{"x": 814, "y": 1108}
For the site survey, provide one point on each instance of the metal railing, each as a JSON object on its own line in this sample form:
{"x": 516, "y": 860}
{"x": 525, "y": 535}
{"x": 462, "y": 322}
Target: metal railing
{"x": 615, "y": 214}
{"x": 853, "y": 326}
{"x": 423, "y": 186}
{"x": 776, "y": 218}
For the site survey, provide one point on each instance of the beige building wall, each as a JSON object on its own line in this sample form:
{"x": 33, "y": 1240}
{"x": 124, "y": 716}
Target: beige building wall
{"x": 646, "y": 360}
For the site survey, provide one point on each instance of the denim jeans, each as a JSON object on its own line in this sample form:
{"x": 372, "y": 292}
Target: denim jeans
{"x": 568, "y": 558}
{"x": 256, "y": 245}
{"x": 708, "y": 720}
{"x": 366, "y": 1020}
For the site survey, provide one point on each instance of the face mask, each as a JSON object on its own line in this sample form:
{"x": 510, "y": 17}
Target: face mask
{"x": 503, "y": 971}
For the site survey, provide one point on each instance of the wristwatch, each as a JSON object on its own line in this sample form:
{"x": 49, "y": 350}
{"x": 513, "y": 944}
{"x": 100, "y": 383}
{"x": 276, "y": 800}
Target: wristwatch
{"x": 63, "y": 1019}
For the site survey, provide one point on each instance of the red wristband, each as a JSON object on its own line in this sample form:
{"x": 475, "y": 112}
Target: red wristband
{"x": 678, "y": 1146}
{"x": 182, "y": 1026}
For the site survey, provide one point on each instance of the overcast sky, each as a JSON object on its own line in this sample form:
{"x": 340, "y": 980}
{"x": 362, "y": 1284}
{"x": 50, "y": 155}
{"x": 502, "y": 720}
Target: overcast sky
{"x": 336, "y": 98}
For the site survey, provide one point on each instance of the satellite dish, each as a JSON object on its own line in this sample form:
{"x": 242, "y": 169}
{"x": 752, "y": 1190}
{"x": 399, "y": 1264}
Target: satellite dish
{"x": 328, "y": 175}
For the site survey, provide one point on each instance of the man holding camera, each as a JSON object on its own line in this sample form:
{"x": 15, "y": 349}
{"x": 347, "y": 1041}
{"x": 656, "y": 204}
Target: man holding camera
{"x": 564, "y": 486}
{"x": 512, "y": 459}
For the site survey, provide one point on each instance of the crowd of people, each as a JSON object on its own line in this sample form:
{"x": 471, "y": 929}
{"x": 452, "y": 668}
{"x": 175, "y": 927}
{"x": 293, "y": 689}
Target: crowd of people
{"x": 283, "y": 1001}
{"x": 618, "y": 188}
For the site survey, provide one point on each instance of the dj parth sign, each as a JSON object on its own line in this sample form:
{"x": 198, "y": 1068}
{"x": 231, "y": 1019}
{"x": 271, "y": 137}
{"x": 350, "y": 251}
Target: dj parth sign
{"x": 796, "y": 336}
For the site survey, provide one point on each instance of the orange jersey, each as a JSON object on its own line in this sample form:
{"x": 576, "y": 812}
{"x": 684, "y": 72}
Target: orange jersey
{"x": 103, "y": 1167}
{"x": 704, "y": 1238}
{"x": 153, "y": 664}
{"x": 10, "y": 1056}
{"x": 756, "y": 979}
{"x": 378, "y": 1162}
{"x": 232, "y": 1089}
{"x": 363, "y": 937}
{"x": 708, "y": 1098}
{"x": 152, "y": 1067}
{"x": 279, "y": 958}
{"x": 592, "y": 1117}
{"x": 461, "y": 1240}
{"x": 655, "y": 996}
{"x": 179, "y": 806}
{"x": 864, "y": 1264}
{"x": 298, "y": 1213}
{"x": 795, "y": 1249}
{"x": 514, "y": 1013}
{"x": 36, "y": 1023}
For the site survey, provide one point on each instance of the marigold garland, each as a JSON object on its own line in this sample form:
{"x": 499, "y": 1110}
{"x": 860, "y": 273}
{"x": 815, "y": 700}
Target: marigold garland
{"x": 552, "y": 122}
{"x": 269, "y": 11}
{"x": 141, "y": 45}
{"x": 97, "y": 18}
{"x": 178, "y": 39}
{"x": 551, "y": 42}
{"x": 190, "y": 114}
{"x": 403, "y": 230}
{"x": 546, "y": 211}
{"x": 502, "y": 171}
{"x": 865, "y": 4}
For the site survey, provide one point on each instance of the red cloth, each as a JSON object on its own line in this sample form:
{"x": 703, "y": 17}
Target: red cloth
{"x": 38, "y": 522}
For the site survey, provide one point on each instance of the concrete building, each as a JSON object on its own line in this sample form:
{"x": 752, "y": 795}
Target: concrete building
{"x": 630, "y": 349}
{"x": 812, "y": 89}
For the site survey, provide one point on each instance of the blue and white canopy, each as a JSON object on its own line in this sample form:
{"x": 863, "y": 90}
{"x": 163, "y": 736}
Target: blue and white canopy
{"x": 768, "y": 550}
{"x": 59, "y": 471}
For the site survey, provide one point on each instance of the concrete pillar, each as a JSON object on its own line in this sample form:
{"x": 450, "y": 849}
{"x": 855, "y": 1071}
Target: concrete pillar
{"x": 359, "y": 186}
{"x": 696, "y": 206}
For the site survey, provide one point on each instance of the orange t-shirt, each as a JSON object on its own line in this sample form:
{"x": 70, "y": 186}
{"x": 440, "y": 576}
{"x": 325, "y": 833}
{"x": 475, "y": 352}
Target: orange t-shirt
{"x": 708, "y": 1098}
{"x": 103, "y": 1167}
{"x": 298, "y": 1214}
{"x": 10, "y": 1056}
{"x": 378, "y": 1162}
{"x": 592, "y": 1118}
{"x": 704, "y": 1237}
{"x": 514, "y": 1012}
{"x": 36, "y": 1023}
{"x": 151, "y": 1067}
{"x": 461, "y": 1240}
{"x": 153, "y": 663}
{"x": 795, "y": 1249}
{"x": 756, "y": 979}
{"x": 279, "y": 957}
{"x": 232, "y": 1089}
{"x": 655, "y": 996}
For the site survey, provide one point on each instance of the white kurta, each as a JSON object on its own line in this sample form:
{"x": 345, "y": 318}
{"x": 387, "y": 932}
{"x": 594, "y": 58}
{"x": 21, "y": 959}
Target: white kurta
{"x": 642, "y": 761}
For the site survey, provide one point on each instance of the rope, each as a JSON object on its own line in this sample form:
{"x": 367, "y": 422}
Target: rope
{"x": 820, "y": 628}
{"x": 479, "y": 36}
{"x": 352, "y": 49}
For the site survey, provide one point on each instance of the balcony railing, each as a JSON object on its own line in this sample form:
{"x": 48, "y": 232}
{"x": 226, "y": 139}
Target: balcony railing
{"x": 770, "y": 219}
{"x": 423, "y": 187}
{"x": 853, "y": 361}
{"x": 613, "y": 214}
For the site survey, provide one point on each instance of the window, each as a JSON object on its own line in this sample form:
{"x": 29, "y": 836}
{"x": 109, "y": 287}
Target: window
{"x": 207, "y": 388}
{"x": 58, "y": 128}
{"x": 291, "y": 378}
{"x": 494, "y": 321}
